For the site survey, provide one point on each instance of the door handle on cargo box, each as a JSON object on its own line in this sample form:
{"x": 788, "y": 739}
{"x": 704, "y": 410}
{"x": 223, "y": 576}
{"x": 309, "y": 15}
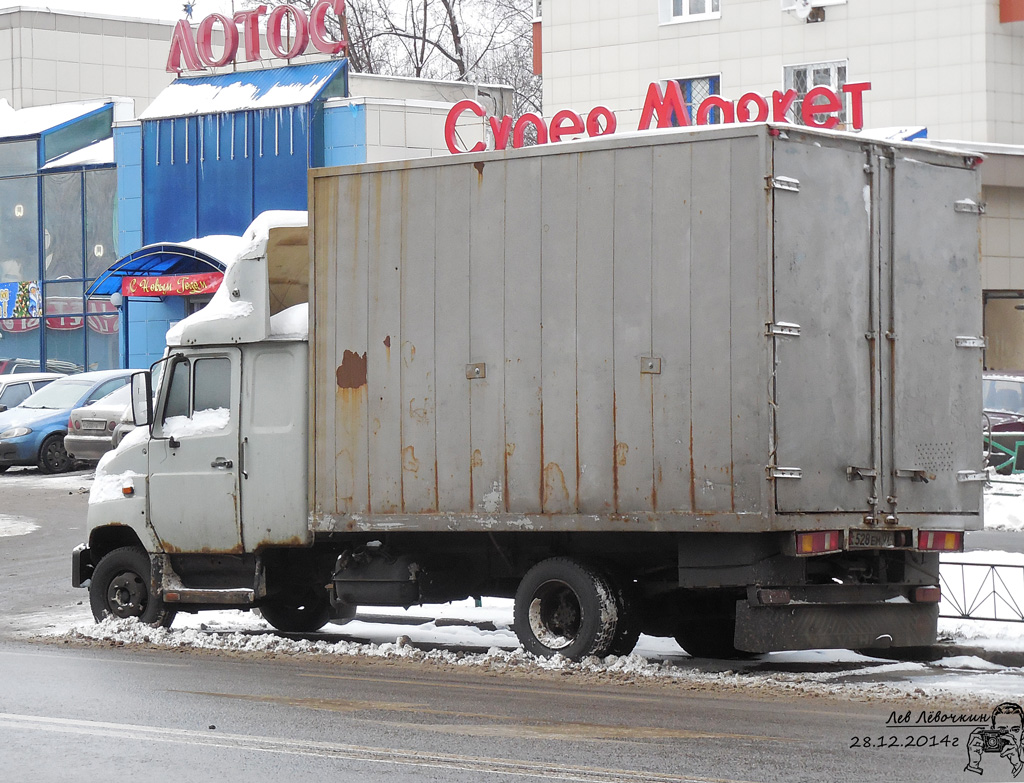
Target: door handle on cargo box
{"x": 220, "y": 462}
{"x": 916, "y": 475}
{"x": 859, "y": 474}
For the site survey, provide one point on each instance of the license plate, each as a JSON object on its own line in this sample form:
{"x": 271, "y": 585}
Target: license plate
{"x": 94, "y": 424}
{"x": 872, "y": 539}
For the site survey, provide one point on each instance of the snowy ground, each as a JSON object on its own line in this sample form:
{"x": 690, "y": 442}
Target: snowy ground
{"x": 464, "y": 634}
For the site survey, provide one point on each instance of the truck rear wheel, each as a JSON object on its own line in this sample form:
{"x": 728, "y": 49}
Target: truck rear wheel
{"x": 120, "y": 588}
{"x": 304, "y": 613}
{"x": 630, "y": 620}
{"x": 563, "y": 606}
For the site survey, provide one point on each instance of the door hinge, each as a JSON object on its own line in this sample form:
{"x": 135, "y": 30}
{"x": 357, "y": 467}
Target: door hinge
{"x": 784, "y": 183}
{"x": 859, "y": 474}
{"x": 776, "y": 472}
{"x": 970, "y": 342}
{"x": 969, "y": 206}
{"x": 782, "y": 330}
{"x": 965, "y": 476}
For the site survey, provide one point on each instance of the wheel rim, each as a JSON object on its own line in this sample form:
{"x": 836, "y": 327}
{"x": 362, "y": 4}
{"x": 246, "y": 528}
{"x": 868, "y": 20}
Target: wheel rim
{"x": 55, "y": 456}
{"x": 126, "y": 595}
{"x": 555, "y": 615}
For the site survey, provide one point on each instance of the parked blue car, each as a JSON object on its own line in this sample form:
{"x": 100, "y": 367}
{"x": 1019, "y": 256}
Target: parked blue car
{"x": 33, "y": 433}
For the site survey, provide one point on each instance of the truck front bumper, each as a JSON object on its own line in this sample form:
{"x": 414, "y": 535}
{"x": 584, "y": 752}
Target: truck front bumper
{"x": 81, "y": 565}
{"x": 762, "y": 629}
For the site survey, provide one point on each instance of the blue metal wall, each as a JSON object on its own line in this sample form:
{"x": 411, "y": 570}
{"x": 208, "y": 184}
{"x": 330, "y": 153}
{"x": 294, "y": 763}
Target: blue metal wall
{"x": 128, "y": 156}
{"x": 344, "y": 135}
{"x": 213, "y": 174}
{"x": 148, "y": 322}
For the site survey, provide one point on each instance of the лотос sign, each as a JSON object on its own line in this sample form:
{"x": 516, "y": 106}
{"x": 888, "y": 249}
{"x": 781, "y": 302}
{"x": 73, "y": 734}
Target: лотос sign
{"x": 820, "y": 108}
{"x": 194, "y": 53}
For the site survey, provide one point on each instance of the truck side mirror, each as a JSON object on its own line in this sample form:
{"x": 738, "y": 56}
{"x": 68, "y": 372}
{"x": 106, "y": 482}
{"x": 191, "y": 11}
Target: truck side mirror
{"x": 142, "y": 398}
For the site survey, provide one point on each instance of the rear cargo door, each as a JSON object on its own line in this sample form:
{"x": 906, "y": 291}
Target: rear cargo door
{"x": 822, "y": 386}
{"x": 936, "y": 358}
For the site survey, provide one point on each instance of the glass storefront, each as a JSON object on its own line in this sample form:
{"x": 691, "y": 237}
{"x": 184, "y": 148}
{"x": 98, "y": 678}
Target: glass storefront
{"x": 57, "y": 234}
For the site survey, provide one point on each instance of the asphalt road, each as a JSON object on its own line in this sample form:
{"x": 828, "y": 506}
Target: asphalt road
{"x": 169, "y": 716}
{"x": 100, "y": 712}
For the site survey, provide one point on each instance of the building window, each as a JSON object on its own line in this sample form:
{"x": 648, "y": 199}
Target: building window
{"x": 694, "y": 91}
{"x": 691, "y": 10}
{"x": 804, "y": 78}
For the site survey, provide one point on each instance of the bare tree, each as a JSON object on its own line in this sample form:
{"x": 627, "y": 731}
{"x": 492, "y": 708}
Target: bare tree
{"x": 480, "y": 41}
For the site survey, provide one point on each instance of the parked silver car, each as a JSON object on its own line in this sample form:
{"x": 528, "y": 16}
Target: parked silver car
{"x": 15, "y": 389}
{"x": 91, "y": 427}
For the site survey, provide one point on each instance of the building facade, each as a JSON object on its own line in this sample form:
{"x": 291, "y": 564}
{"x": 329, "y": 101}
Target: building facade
{"x": 98, "y": 194}
{"x": 951, "y": 70}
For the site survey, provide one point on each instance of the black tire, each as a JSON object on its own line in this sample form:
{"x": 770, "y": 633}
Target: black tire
{"x": 120, "y": 587}
{"x": 3, "y": 468}
{"x": 629, "y": 605}
{"x": 563, "y": 606}
{"x": 52, "y": 456}
{"x": 299, "y": 614}
{"x": 708, "y": 629}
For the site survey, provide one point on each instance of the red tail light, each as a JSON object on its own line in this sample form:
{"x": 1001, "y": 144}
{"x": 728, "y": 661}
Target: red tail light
{"x": 819, "y": 542}
{"x": 940, "y": 540}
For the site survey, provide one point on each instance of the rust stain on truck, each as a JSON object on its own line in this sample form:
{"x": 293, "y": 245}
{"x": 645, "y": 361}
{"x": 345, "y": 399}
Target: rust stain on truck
{"x": 351, "y": 373}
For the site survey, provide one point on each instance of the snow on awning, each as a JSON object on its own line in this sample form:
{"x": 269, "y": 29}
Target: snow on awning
{"x": 293, "y": 85}
{"x": 99, "y": 154}
{"x": 39, "y": 119}
{"x": 208, "y": 254}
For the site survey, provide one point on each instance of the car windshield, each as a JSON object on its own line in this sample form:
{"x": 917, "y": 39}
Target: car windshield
{"x": 120, "y": 396}
{"x": 1003, "y": 394}
{"x": 59, "y": 394}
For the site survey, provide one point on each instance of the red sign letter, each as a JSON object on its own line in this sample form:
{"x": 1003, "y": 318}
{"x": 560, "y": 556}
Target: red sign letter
{"x": 810, "y": 108}
{"x": 500, "y": 131}
{"x": 565, "y": 123}
{"x": 743, "y": 108}
{"x": 857, "y": 91}
{"x": 274, "y": 32}
{"x": 519, "y": 130}
{"x": 250, "y": 21}
{"x": 594, "y": 121}
{"x": 781, "y": 101}
{"x": 452, "y": 119}
{"x": 205, "y": 40}
{"x": 664, "y": 105}
{"x": 318, "y": 26}
{"x": 182, "y": 46}
{"x": 711, "y": 102}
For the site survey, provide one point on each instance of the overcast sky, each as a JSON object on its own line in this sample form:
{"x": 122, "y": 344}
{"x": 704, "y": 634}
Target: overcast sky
{"x": 168, "y": 10}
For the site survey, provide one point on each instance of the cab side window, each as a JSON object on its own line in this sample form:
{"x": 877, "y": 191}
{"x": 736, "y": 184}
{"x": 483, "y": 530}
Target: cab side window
{"x": 212, "y": 384}
{"x": 177, "y": 393}
{"x": 200, "y": 385}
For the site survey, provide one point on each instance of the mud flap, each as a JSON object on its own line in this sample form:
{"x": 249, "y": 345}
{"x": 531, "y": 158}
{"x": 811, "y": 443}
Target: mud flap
{"x": 834, "y": 626}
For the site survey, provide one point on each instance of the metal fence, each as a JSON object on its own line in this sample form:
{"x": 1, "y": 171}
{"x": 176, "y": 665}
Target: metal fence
{"x": 978, "y": 591}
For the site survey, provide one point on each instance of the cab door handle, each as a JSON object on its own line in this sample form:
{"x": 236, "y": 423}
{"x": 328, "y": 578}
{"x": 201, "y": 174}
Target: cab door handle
{"x": 220, "y": 462}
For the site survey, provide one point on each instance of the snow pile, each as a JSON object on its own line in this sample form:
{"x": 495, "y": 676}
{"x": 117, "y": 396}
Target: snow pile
{"x": 290, "y": 324}
{"x": 106, "y": 488}
{"x": 219, "y": 308}
{"x": 16, "y": 526}
{"x": 201, "y": 423}
{"x": 1004, "y": 503}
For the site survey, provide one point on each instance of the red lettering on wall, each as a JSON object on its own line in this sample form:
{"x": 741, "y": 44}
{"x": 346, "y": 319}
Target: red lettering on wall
{"x": 275, "y": 33}
{"x": 452, "y": 120}
{"x": 183, "y": 47}
{"x": 565, "y": 123}
{"x": 743, "y": 108}
{"x": 856, "y": 92}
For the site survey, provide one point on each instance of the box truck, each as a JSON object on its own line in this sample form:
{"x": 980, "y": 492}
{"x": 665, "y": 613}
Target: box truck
{"x": 718, "y": 384}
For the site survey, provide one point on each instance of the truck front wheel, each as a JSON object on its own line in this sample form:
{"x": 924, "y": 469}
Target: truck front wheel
{"x": 563, "y": 606}
{"x": 120, "y": 588}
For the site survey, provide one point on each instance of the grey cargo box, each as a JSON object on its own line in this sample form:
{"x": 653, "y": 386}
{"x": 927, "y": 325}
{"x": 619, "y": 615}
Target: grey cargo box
{"x": 744, "y": 328}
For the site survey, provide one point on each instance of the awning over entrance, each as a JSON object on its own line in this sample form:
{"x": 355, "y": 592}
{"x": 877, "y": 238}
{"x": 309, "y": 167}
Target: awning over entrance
{"x": 163, "y": 260}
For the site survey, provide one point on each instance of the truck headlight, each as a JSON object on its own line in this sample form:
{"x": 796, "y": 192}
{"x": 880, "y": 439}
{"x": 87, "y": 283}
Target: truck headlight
{"x": 14, "y": 432}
